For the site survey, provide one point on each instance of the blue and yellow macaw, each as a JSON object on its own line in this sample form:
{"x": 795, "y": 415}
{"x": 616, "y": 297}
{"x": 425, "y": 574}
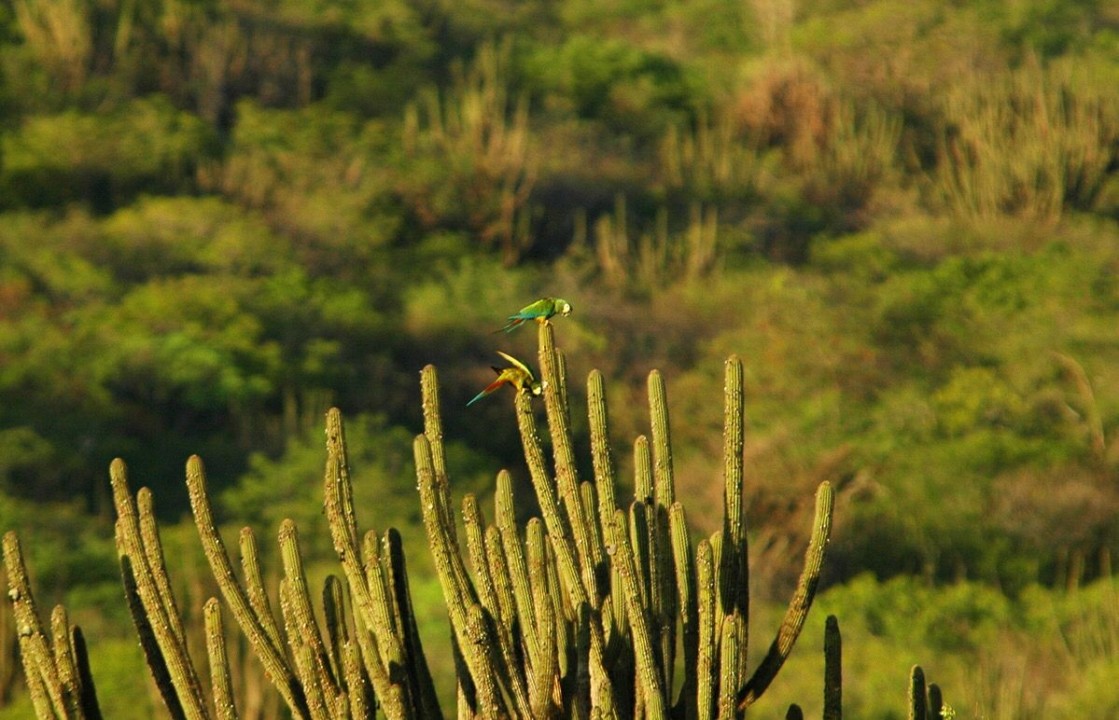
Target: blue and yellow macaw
{"x": 539, "y": 311}
{"x": 517, "y": 374}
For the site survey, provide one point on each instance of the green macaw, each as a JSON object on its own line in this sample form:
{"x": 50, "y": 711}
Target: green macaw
{"x": 518, "y": 375}
{"x": 539, "y": 311}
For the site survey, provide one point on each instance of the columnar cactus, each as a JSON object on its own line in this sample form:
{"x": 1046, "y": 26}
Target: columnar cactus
{"x": 577, "y": 613}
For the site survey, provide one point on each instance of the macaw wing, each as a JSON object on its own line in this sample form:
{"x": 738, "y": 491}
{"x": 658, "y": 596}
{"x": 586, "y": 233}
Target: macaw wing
{"x": 540, "y": 308}
{"x": 517, "y": 364}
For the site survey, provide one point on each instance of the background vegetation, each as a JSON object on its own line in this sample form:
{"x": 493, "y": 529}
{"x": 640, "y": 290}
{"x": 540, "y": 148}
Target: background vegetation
{"x": 217, "y": 219}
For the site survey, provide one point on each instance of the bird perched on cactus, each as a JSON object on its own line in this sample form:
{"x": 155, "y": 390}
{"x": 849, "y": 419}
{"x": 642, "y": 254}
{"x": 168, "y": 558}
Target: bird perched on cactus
{"x": 539, "y": 311}
{"x": 517, "y": 374}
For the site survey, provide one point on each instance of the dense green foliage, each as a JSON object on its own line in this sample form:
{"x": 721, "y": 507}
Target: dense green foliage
{"x": 218, "y": 219}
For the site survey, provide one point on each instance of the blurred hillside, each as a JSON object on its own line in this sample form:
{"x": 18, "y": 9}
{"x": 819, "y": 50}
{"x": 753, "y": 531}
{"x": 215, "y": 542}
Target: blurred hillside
{"x": 219, "y": 218}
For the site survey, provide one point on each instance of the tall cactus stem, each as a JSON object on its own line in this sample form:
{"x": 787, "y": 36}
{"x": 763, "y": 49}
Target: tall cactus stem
{"x": 150, "y": 575}
{"x": 433, "y": 430}
{"x": 419, "y": 670}
{"x": 833, "y": 670}
{"x": 511, "y": 669}
{"x": 153, "y": 549}
{"x": 516, "y": 563}
{"x": 601, "y": 457}
{"x": 221, "y": 681}
{"x": 728, "y": 668}
{"x": 567, "y": 478}
{"x": 334, "y": 620}
{"x": 63, "y": 654}
{"x": 91, "y": 708}
{"x": 918, "y": 703}
{"x": 254, "y": 587}
{"x": 734, "y": 580}
{"x": 35, "y": 652}
{"x": 707, "y": 642}
{"x": 275, "y": 663}
{"x": 797, "y": 611}
{"x": 303, "y": 616}
{"x": 395, "y": 698}
{"x": 648, "y": 674}
{"x": 936, "y": 702}
{"x": 686, "y": 602}
{"x": 157, "y": 664}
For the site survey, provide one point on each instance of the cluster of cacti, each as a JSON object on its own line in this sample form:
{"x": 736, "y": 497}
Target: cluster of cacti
{"x": 580, "y": 613}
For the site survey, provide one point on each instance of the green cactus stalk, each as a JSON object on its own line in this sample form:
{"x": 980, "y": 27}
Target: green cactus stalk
{"x": 707, "y": 642}
{"x": 157, "y": 665}
{"x": 221, "y": 680}
{"x": 276, "y": 664}
{"x": 91, "y": 709}
{"x": 833, "y": 670}
{"x": 685, "y": 584}
{"x": 254, "y": 586}
{"x": 797, "y": 611}
{"x": 559, "y": 425}
{"x": 575, "y": 613}
{"x": 936, "y": 702}
{"x": 49, "y": 695}
{"x": 139, "y": 541}
{"x": 734, "y": 571}
{"x": 918, "y": 701}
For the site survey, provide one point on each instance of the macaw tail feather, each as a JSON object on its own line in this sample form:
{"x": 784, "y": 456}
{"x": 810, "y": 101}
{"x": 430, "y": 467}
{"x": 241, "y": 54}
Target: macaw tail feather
{"x": 514, "y": 322}
{"x": 488, "y": 389}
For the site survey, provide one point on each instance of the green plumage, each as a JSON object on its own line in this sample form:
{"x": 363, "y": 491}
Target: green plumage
{"x": 540, "y": 311}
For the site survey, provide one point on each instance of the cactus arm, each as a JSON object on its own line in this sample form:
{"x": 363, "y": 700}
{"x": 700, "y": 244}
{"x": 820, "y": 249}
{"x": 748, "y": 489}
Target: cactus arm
{"x": 509, "y": 667}
{"x": 649, "y": 676}
{"x": 63, "y": 653}
{"x": 150, "y": 574}
{"x": 516, "y": 564}
{"x": 601, "y": 457}
{"x": 706, "y": 606}
{"x": 303, "y": 617}
{"x": 153, "y": 550}
{"x": 397, "y": 572}
{"x": 561, "y": 545}
{"x": 918, "y": 704}
{"x": 797, "y": 611}
{"x": 567, "y": 478}
{"x": 664, "y": 494}
{"x": 357, "y": 684}
{"x": 303, "y": 655}
{"x": 157, "y": 664}
{"x": 684, "y": 565}
{"x": 275, "y": 664}
{"x": 833, "y": 670}
{"x": 475, "y": 641}
{"x": 545, "y": 669}
{"x": 734, "y": 580}
{"x": 334, "y": 619}
{"x": 502, "y": 582}
{"x": 91, "y": 709}
{"x": 390, "y": 653}
{"x": 221, "y": 682}
{"x": 254, "y": 586}
{"x": 728, "y": 668}
{"x": 936, "y": 702}
{"x": 47, "y": 691}
{"x": 433, "y": 430}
